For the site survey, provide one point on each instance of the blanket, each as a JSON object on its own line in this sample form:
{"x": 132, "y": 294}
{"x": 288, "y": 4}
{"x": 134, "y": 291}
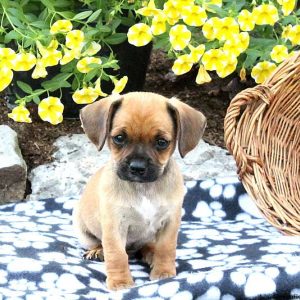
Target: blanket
{"x": 226, "y": 250}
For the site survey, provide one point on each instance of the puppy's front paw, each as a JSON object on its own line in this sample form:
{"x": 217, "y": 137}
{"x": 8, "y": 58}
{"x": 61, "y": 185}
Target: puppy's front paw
{"x": 96, "y": 253}
{"x": 162, "y": 272}
{"x": 119, "y": 284}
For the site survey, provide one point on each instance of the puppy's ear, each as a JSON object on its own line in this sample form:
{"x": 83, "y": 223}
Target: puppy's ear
{"x": 190, "y": 125}
{"x": 96, "y": 118}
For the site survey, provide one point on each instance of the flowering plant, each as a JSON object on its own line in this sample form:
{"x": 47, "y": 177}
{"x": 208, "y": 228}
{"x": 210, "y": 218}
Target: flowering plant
{"x": 37, "y": 35}
{"x": 223, "y": 36}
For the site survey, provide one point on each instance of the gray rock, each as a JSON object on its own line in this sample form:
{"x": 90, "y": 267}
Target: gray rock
{"x": 77, "y": 158}
{"x": 13, "y": 169}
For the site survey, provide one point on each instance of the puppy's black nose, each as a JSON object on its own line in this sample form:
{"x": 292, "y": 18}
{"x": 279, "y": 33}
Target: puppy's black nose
{"x": 138, "y": 166}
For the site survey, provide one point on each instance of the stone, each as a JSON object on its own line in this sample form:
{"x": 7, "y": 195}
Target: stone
{"x": 13, "y": 169}
{"x": 76, "y": 159}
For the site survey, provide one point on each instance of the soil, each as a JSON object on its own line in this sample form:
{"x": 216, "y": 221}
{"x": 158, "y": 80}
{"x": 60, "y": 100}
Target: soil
{"x": 36, "y": 139}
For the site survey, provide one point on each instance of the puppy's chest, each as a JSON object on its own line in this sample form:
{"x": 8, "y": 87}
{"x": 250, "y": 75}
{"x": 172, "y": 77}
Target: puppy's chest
{"x": 147, "y": 217}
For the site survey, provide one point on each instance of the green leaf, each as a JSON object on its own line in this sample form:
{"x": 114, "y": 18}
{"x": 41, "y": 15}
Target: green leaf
{"x": 127, "y": 21}
{"x": 67, "y": 14}
{"x": 104, "y": 28}
{"x": 16, "y": 22}
{"x": 55, "y": 85}
{"x": 28, "y": 43}
{"x": 116, "y": 38}
{"x": 24, "y": 87}
{"x": 16, "y": 13}
{"x": 91, "y": 74}
{"x": 289, "y": 20}
{"x": 115, "y": 24}
{"x": 262, "y": 43}
{"x": 74, "y": 84}
{"x": 36, "y": 99}
{"x": 58, "y": 81}
{"x": 12, "y": 35}
{"x": 48, "y": 4}
{"x": 82, "y": 15}
{"x": 38, "y": 24}
{"x": 61, "y": 77}
{"x": 252, "y": 56}
{"x": 94, "y": 16}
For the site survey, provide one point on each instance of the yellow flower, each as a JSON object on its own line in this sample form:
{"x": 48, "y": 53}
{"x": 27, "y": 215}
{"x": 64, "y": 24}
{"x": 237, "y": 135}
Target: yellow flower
{"x": 39, "y": 70}
{"x": 202, "y": 76}
{"x": 93, "y": 49}
{"x": 69, "y": 55}
{"x": 171, "y": 10}
{"x": 20, "y": 114}
{"x": 50, "y": 109}
{"x": 24, "y": 62}
{"x": 119, "y": 85}
{"x": 207, "y": 4}
{"x": 196, "y": 52}
{"x": 98, "y": 88}
{"x": 180, "y": 37}
{"x": 279, "y": 53}
{"x": 183, "y": 3}
{"x": 182, "y": 64}
{"x": 194, "y": 16}
{"x": 265, "y": 14}
{"x": 51, "y": 58}
{"x": 173, "y": 21}
{"x": 208, "y": 28}
{"x": 246, "y": 20}
{"x": 158, "y": 25}
{"x": 83, "y": 64}
{"x": 294, "y": 35}
{"x": 244, "y": 39}
{"x": 74, "y": 39}
{"x": 212, "y": 59}
{"x": 226, "y": 28}
{"x": 45, "y": 50}
{"x": 243, "y": 74}
{"x": 149, "y": 11}
{"x": 287, "y": 6}
{"x": 61, "y": 26}
{"x": 6, "y": 76}
{"x": 139, "y": 35}
{"x": 262, "y": 71}
{"x": 232, "y": 46}
{"x": 286, "y": 31}
{"x": 85, "y": 96}
{"x": 237, "y": 44}
{"x": 7, "y": 56}
{"x": 228, "y": 66}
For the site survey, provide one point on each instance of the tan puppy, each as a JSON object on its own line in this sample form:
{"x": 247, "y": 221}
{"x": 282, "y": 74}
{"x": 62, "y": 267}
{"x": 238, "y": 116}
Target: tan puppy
{"x": 134, "y": 201}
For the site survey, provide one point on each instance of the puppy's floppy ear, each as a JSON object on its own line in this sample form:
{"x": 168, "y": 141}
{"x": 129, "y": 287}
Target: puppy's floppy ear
{"x": 96, "y": 118}
{"x": 190, "y": 125}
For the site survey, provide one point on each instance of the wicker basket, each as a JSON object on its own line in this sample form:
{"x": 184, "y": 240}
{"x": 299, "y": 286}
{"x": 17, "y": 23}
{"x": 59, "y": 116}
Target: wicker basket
{"x": 262, "y": 131}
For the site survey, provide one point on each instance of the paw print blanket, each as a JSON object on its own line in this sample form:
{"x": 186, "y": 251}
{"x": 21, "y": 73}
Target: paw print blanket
{"x": 226, "y": 250}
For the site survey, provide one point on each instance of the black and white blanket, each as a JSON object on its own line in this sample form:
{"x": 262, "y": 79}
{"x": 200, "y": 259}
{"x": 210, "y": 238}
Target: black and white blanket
{"x": 225, "y": 251}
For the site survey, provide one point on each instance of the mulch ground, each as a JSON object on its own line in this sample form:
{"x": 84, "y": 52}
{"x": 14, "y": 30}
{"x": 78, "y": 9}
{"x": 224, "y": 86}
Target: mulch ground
{"x": 36, "y": 139}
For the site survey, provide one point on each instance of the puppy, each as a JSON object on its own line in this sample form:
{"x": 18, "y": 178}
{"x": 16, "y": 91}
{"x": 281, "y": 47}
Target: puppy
{"x": 134, "y": 201}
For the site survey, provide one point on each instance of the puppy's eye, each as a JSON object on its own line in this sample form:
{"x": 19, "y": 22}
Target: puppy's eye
{"x": 119, "y": 139}
{"x": 161, "y": 144}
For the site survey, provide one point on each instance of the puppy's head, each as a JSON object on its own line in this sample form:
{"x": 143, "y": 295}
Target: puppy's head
{"x": 141, "y": 130}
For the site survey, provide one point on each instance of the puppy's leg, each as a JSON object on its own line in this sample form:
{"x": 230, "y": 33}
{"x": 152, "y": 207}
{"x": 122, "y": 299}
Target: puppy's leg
{"x": 86, "y": 239}
{"x": 147, "y": 253}
{"x": 164, "y": 252}
{"x": 116, "y": 258}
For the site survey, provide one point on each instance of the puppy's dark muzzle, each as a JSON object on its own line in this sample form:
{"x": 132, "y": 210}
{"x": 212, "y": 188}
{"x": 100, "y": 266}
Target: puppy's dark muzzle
{"x": 138, "y": 166}
{"x": 138, "y": 170}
